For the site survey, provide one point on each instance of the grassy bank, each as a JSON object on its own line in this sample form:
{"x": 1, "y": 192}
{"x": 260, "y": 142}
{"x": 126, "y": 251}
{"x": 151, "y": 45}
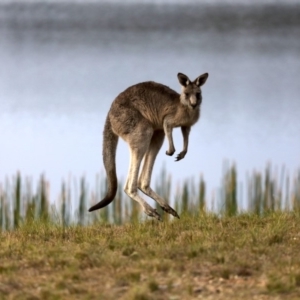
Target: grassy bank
{"x": 205, "y": 256}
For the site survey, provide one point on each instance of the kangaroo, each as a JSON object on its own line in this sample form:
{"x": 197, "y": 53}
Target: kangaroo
{"x": 142, "y": 115}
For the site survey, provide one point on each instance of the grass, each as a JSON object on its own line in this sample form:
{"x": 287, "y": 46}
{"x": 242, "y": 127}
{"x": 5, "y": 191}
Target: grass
{"x": 48, "y": 251}
{"x": 231, "y": 257}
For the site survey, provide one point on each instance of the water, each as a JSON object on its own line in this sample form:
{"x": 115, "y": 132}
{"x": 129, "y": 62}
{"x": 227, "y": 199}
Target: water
{"x": 62, "y": 65}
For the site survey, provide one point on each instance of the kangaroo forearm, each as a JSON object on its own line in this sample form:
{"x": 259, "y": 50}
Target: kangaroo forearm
{"x": 185, "y": 133}
{"x": 168, "y": 132}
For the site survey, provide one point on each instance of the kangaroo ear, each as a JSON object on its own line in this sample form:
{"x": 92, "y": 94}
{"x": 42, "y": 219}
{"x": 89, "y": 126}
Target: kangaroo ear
{"x": 183, "y": 79}
{"x": 201, "y": 79}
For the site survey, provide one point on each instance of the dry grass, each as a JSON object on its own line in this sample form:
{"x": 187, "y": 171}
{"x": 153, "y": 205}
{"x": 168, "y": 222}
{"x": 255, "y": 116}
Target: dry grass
{"x": 246, "y": 256}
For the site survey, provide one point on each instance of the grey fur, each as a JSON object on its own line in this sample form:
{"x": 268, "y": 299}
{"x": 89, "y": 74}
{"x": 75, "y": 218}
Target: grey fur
{"x": 142, "y": 115}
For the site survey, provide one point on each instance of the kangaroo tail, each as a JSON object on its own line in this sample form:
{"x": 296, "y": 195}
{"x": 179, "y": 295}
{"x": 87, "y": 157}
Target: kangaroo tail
{"x": 110, "y": 142}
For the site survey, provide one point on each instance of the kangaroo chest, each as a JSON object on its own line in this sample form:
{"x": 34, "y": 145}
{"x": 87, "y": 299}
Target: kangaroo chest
{"x": 187, "y": 117}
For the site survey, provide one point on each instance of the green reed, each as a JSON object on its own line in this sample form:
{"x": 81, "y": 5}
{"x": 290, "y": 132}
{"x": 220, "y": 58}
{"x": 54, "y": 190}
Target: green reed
{"x": 201, "y": 195}
{"x": 163, "y": 188}
{"x": 266, "y": 192}
{"x": 296, "y": 193}
{"x": 17, "y": 198}
{"x": 230, "y": 192}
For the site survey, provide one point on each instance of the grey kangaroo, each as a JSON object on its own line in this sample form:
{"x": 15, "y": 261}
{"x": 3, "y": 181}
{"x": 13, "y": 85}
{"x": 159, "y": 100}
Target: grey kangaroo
{"x": 142, "y": 115}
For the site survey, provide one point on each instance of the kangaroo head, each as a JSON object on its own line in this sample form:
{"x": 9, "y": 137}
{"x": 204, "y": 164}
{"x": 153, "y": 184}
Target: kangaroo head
{"x": 191, "y": 91}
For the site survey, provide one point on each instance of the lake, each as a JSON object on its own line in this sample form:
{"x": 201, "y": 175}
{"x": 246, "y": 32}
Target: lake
{"x": 63, "y": 64}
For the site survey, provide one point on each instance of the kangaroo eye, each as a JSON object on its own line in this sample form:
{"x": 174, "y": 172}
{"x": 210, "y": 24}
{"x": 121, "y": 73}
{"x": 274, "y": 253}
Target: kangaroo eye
{"x": 186, "y": 94}
{"x": 198, "y": 95}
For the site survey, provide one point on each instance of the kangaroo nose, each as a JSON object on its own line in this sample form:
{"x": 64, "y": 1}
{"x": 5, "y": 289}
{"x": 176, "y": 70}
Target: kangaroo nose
{"x": 194, "y": 105}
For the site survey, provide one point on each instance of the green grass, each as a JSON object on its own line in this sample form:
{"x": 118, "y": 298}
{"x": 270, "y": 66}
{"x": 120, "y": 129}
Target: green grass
{"x": 48, "y": 251}
{"x": 231, "y": 257}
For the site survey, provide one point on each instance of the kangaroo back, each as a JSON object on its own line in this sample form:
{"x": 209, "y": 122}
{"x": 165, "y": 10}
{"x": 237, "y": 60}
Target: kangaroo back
{"x": 110, "y": 142}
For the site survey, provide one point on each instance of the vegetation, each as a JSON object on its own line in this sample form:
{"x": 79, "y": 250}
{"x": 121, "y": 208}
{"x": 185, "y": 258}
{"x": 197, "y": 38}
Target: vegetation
{"x": 230, "y": 257}
{"x": 265, "y": 193}
{"x": 50, "y": 252}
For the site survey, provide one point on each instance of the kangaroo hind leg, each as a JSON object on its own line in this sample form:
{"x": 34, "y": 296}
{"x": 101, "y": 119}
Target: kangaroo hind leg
{"x": 145, "y": 177}
{"x": 138, "y": 144}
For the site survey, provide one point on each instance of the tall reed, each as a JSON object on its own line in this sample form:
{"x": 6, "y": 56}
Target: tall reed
{"x": 17, "y": 202}
{"x": 296, "y": 193}
{"x": 163, "y": 188}
{"x": 229, "y": 194}
{"x": 201, "y": 196}
{"x": 266, "y": 192}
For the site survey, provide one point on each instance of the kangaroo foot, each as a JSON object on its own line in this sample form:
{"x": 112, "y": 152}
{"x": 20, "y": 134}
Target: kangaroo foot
{"x": 170, "y": 210}
{"x": 151, "y": 212}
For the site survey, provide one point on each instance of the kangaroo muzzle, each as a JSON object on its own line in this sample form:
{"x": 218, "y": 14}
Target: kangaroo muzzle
{"x": 193, "y": 101}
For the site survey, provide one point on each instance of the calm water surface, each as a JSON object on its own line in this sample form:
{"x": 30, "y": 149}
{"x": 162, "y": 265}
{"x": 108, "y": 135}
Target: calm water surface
{"x": 62, "y": 66}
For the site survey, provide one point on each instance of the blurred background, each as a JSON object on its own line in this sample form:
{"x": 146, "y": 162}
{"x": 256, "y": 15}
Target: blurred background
{"x": 62, "y": 63}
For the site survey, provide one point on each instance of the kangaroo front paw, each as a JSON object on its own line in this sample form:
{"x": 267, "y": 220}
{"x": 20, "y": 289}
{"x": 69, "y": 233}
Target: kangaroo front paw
{"x": 180, "y": 156}
{"x": 170, "y": 152}
{"x": 151, "y": 212}
{"x": 170, "y": 210}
